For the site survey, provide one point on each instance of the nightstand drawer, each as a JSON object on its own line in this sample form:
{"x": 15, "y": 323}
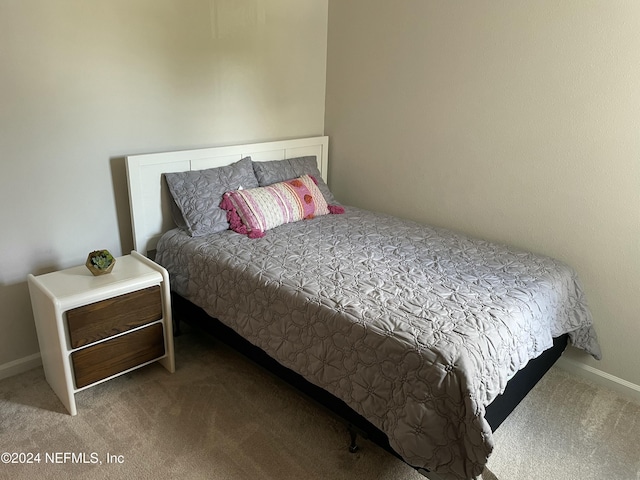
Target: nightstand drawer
{"x": 104, "y": 319}
{"x": 113, "y": 356}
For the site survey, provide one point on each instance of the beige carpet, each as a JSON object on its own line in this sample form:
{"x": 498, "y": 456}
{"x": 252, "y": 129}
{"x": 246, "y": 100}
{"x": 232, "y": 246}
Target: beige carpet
{"x": 220, "y": 417}
{"x": 567, "y": 428}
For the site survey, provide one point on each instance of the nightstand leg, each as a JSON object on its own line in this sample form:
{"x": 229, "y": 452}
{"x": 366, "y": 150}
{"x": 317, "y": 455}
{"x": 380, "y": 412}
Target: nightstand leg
{"x": 66, "y": 397}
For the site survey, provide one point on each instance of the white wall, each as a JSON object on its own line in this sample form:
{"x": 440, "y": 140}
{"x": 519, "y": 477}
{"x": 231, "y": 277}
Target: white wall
{"x": 514, "y": 121}
{"x": 86, "y": 82}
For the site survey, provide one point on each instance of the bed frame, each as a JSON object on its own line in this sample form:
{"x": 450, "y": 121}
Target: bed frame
{"x": 151, "y": 217}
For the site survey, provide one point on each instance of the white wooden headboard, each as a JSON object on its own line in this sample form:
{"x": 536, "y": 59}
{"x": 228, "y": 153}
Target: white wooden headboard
{"x": 149, "y": 195}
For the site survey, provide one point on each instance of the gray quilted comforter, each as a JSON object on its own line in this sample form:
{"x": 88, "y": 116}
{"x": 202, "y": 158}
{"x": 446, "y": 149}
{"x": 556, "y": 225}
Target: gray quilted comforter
{"x": 416, "y": 328}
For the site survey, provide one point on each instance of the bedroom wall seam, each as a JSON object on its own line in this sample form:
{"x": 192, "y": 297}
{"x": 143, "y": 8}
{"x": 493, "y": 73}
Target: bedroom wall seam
{"x": 600, "y": 378}
{"x": 20, "y": 365}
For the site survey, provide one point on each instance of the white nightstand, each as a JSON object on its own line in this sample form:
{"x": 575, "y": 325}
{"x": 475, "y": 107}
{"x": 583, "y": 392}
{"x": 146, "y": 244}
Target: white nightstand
{"x": 94, "y": 328}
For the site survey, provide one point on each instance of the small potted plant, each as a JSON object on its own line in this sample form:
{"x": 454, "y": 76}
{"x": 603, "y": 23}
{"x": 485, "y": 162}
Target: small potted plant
{"x": 100, "y": 262}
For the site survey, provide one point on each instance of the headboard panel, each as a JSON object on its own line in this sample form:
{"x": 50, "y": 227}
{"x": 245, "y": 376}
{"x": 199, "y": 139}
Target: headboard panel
{"x": 149, "y": 198}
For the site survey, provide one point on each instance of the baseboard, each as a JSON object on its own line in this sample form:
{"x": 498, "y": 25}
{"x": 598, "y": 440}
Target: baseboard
{"x": 21, "y": 365}
{"x": 623, "y": 387}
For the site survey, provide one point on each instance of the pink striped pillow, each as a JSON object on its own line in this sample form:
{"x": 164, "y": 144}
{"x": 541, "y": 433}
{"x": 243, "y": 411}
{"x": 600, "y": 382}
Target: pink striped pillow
{"x": 256, "y": 210}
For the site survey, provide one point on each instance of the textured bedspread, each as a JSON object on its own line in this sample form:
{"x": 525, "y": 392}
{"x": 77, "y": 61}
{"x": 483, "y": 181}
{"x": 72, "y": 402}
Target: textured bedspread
{"x": 418, "y": 329}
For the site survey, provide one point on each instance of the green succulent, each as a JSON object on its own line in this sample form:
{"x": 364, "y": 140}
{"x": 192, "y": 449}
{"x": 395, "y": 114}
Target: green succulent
{"x": 101, "y": 259}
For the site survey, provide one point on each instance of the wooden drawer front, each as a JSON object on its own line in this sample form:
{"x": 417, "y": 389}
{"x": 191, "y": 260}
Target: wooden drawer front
{"x": 118, "y": 354}
{"x": 104, "y": 319}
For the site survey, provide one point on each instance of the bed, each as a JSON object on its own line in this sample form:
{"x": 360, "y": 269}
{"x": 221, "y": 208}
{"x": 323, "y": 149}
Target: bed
{"x": 423, "y": 338}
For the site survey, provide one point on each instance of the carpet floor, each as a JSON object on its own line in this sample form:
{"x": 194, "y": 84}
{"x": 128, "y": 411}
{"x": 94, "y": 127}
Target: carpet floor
{"x": 220, "y": 417}
{"x": 567, "y": 428}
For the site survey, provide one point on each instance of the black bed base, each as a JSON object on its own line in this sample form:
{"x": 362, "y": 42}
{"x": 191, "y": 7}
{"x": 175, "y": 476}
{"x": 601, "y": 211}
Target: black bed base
{"x": 496, "y": 412}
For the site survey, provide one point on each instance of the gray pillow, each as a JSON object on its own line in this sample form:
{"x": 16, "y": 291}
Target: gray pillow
{"x": 197, "y": 195}
{"x": 275, "y": 171}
